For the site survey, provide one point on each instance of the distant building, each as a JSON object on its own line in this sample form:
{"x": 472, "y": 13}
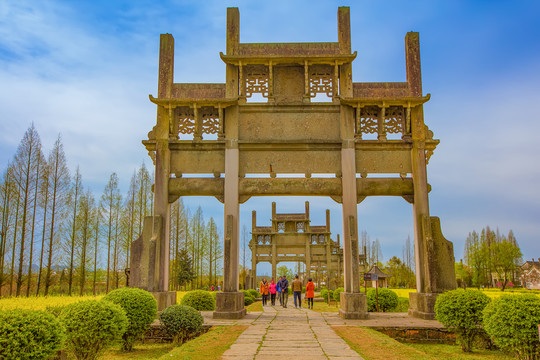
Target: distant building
{"x": 382, "y": 277}
{"x": 530, "y": 274}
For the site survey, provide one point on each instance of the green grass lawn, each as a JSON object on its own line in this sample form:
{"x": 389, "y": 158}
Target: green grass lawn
{"x": 373, "y": 345}
{"x": 221, "y": 338}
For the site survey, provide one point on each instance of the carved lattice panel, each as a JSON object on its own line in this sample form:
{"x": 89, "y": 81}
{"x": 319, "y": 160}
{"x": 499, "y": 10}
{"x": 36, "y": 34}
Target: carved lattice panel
{"x": 185, "y": 120}
{"x": 260, "y": 239}
{"x": 393, "y": 119}
{"x": 267, "y": 240}
{"x": 256, "y": 79}
{"x": 321, "y": 240}
{"x": 281, "y": 227}
{"x": 313, "y": 239}
{"x": 321, "y": 80}
{"x": 210, "y": 120}
{"x": 300, "y": 227}
{"x": 369, "y": 116}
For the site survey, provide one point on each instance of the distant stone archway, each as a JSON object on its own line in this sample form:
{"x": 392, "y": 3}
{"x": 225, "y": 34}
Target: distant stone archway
{"x": 292, "y": 238}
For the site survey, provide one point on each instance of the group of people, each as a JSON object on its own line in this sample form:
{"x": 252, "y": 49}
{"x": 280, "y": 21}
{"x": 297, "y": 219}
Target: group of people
{"x": 280, "y": 289}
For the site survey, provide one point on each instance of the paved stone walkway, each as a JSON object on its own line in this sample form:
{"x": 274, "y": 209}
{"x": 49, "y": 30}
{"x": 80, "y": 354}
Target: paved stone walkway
{"x": 296, "y": 333}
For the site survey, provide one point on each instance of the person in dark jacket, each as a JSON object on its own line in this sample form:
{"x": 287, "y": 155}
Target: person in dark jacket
{"x": 284, "y": 286}
{"x": 278, "y": 290}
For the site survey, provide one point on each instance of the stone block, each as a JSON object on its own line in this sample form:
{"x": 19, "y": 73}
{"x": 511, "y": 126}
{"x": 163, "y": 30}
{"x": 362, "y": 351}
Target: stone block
{"x": 143, "y": 256}
{"x": 229, "y": 305}
{"x": 353, "y": 306}
{"x": 164, "y": 299}
{"x": 422, "y": 305}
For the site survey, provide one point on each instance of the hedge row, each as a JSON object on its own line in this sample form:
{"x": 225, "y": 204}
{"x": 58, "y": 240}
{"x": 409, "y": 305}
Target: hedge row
{"x": 510, "y": 321}
{"x": 88, "y": 327}
{"x": 85, "y": 328}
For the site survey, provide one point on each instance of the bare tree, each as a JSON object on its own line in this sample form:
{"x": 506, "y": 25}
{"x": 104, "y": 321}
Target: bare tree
{"x": 44, "y": 195}
{"x": 58, "y": 188}
{"x": 40, "y": 163}
{"x": 97, "y": 218}
{"x": 75, "y": 190}
{"x": 109, "y": 200}
{"x": 25, "y": 163}
{"x": 7, "y": 199}
{"x": 85, "y": 220}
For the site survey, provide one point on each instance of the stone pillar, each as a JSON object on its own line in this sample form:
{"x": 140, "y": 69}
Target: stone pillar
{"x": 422, "y": 303}
{"x": 308, "y": 258}
{"x": 153, "y": 258}
{"x": 274, "y": 260}
{"x": 161, "y": 209}
{"x": 353, "y": 303}
{"x": 254, "y": 269}
{"x": 230, "y": 303}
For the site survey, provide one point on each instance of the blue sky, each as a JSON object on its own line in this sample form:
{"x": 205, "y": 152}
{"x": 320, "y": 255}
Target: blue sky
{"x": 85, "y": 68}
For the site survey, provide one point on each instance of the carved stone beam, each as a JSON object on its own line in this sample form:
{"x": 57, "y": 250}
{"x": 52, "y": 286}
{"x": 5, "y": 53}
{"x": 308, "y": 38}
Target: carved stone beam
{"x": 291, "y": 187}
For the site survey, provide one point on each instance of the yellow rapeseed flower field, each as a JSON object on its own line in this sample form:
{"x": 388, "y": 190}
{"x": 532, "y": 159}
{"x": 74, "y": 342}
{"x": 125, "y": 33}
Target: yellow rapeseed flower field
{"x": 41, "y": 302}
{"x": 492, "y": 293}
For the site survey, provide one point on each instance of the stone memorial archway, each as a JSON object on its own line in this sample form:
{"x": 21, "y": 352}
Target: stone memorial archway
{"x": 363, "y": 130}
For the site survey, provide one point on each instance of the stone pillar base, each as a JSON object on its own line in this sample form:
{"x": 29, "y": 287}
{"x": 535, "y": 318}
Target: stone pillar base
{"x": 164, "y": 299}
{"x": 229, "y": 305}
{"x": 422, "y": 305}
{"x": 353, "y": 306}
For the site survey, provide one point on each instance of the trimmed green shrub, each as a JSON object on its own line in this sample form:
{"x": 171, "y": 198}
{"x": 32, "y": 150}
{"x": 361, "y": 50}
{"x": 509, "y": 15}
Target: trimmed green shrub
{"x": 324, "y": 294}
{"x": 181, "y": 322}
{"x": 330, "y": 296}
{"x": 91, "y": 326}
{"x": 55, "y": 309}
{"x": 29, "y": 334}
{"x": 248, "y": 299}
{"x": 512, "y": 322}
{"x": 388, "y": 300}
{"x": 336, "y": 295}
{"x": 254, "y": 293}
{"x": 141, "y": 309}
{"x": 461, "y": 310}
{"x": 199, "y": 300}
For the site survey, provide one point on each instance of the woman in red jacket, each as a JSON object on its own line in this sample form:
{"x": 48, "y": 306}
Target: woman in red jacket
{"x": 310, "y": 293}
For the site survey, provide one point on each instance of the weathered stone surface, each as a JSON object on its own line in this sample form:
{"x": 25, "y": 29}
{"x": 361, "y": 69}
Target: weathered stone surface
{"x": 353, "y": 306}
{"x": 422, "y": 305}
{"x": 358, "y": 129}
{"x": 164, "y": 299}
{"x": 143, "y": 255}
{"x": 229, "y": 305}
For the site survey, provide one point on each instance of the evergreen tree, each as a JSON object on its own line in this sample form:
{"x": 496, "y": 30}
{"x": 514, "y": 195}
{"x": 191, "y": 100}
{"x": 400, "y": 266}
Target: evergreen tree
{"x": 185, "y": 272}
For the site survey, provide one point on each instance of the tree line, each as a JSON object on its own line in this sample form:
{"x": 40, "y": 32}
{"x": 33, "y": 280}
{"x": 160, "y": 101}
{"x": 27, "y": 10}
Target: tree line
{"x": 56, "y": 236}
{"x": 491, "y": 259}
